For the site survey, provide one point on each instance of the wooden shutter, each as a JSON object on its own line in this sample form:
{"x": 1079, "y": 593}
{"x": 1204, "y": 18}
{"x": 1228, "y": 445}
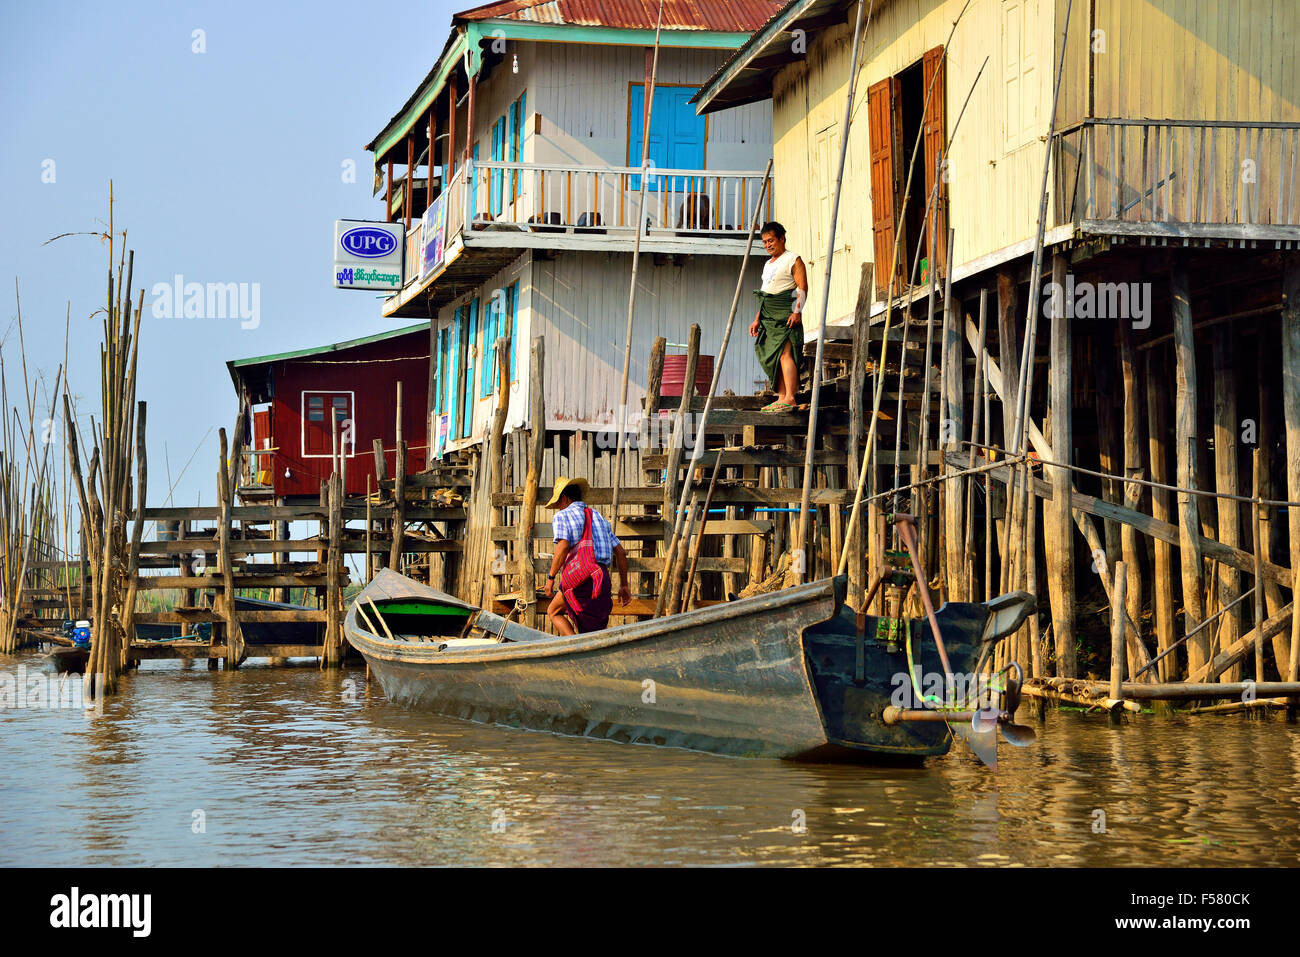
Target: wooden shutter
{"x": 935, "y": 136}
{"x": 882, "y": 126}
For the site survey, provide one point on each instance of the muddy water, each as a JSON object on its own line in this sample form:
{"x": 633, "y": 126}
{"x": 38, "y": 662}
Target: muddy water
{"x": 294, "y": 766}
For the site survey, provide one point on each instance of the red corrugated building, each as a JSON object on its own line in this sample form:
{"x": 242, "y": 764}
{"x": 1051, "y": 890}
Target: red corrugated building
{"x": 294, "y": 399}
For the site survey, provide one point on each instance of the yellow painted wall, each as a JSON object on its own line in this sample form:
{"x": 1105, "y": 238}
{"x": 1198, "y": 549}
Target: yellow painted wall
{"x": 1185, "y": 59}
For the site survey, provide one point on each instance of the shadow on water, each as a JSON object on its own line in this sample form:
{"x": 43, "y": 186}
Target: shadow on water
{"x": 296, "y": 766}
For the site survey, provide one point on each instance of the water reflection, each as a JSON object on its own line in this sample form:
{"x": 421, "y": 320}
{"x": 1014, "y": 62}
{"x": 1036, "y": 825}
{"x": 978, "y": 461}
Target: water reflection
{"x": 298, "y": 766}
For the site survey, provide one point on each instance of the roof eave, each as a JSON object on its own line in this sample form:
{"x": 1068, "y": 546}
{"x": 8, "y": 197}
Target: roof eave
{"x": 728, "y": 77}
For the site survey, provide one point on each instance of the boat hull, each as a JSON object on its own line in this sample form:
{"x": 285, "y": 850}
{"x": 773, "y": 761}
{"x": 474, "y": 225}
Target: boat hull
{"x": 717, "y": 682}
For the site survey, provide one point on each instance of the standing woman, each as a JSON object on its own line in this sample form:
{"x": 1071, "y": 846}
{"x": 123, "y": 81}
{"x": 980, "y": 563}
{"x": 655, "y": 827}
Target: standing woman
{"x": 778, "y": 326}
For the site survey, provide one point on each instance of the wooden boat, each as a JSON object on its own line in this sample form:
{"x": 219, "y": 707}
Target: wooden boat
{"x": 791, "y": 674}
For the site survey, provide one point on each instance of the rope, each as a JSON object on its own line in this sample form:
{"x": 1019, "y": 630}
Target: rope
{"x": 1273, "y": 503}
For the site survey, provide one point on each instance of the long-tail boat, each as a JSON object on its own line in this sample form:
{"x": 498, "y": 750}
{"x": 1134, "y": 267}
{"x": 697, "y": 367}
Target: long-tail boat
{"x": 791, "y": 674}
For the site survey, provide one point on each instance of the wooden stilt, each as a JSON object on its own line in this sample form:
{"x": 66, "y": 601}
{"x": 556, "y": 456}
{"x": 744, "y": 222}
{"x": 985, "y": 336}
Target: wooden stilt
{"x": 1133, "y": 468}
{"x": 1291, "y": 424}
{"x": 1226, "y": 426}
{"x": 399, "y": 493}
{"x": 1162, "y": 581}
{"x": 1057, "y": 519}
{"x": 1189, "y": 523}
{"x": 528, "y": 510}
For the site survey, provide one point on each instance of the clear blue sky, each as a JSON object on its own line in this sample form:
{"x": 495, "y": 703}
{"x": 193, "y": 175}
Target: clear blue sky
{"x": 227, "y": 167}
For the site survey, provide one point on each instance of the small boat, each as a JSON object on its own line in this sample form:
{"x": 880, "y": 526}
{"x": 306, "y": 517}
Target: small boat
{"x": 277, "y": 632}
{"x": 792, "y": 674}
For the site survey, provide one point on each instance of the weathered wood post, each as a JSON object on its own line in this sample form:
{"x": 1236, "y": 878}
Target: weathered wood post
{"x": 496, "y": 465}
{"x": 1226, "y": 425}
{"x": 1162, "y": 580}
{"x": 1291, "y": 417}
{"x": 537, "y": 449}
{"x": 333, "y": 592}
{"x": 1058, "y": 534}
{"x": 1189, "y": 521}
{"x": 681, "y": 422}
{"x": 380, "y": 559}
{"x": 234, "y": 634}
{"x": 1117, "y": 612}
{"x": 1133, "y": 469}
{"x": 399, "y": 492}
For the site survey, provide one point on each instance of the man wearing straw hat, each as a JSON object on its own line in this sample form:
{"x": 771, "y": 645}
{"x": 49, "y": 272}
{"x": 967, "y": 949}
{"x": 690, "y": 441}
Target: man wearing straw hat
{"x": 584, "y": 546}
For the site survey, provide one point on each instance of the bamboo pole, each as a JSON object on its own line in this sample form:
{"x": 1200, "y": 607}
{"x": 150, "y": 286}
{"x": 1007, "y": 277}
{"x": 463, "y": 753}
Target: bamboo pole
{"x": 801, "y": 569}
{"x": 648, "y": 106}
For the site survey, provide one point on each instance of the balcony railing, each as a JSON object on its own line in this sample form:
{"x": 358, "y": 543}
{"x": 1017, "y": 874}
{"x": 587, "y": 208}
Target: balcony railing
{"x": 541, "y": 203}
{"x": 603, "y": 200}
{"x": 1179, "y": 176}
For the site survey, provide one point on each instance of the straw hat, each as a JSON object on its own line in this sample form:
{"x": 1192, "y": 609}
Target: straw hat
{"x": 575, "y": 488}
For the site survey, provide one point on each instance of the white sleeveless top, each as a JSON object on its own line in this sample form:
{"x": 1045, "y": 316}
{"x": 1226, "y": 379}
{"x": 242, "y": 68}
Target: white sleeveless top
{"x": 778, "y": 273}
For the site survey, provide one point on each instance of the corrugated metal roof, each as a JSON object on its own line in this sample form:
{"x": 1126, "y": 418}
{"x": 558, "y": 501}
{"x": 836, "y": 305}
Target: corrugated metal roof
{"x": 726, "y": 16}
{"x": 746, "y": 76}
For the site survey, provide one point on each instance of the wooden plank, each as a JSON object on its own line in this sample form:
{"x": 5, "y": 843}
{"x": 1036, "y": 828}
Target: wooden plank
{"x": 725, "y": 495}
{"x": 776, "y": 458}
{"x": 160, "y": 582}
{"x": 261, "y": 616}
{"x": 656, "y": 564}
{"x": 542, "y": 531}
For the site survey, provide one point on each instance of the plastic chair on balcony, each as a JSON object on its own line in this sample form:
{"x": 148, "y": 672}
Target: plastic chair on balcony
{"x": 695, "y": 213}
{"x": 586, "y": 223}
{"x": 552, "y": 223}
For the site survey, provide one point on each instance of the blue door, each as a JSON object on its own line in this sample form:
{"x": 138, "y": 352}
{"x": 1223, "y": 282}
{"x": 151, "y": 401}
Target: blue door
{"x": 453, "y": 377}
{"x": 469, "y": 333}
{"x": 676, "y": 132}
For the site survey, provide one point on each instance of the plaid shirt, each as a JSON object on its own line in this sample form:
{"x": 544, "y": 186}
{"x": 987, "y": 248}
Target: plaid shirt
{"x": 568, "y": 523}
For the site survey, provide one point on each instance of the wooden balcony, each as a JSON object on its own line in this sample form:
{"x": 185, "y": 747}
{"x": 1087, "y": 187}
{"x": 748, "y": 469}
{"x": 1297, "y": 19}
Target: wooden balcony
{"x": 1180, "y": 179}
{"x": 492, "y": 211}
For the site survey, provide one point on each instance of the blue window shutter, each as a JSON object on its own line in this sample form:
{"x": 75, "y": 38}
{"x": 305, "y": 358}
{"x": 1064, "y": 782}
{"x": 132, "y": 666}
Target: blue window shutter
{"x": 471, "y": 333}
{"x": 498, "y": 154}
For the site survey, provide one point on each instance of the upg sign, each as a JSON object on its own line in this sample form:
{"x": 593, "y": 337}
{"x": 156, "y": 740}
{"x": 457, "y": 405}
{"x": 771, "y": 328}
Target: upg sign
{"x": 368, "y": 255}
{"x": 368, "y": 242}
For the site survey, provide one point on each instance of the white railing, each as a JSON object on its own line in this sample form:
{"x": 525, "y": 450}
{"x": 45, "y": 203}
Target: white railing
{"x": 1179, "y": 172}
{"x": 603, "y": 200}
